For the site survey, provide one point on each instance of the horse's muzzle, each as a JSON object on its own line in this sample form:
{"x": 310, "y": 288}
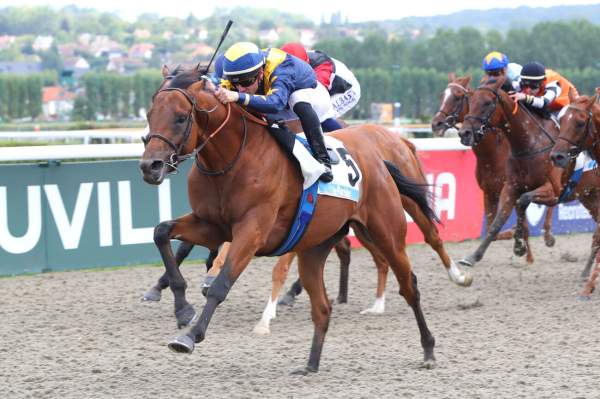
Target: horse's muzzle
{"x": 153, "y": 170}
{"x": 467, "y": 137}
{"x": 560, "y": 159}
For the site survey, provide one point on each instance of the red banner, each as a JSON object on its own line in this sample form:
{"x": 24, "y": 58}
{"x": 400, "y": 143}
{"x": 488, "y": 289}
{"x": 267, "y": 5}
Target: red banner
{"x": 458, "y": 200}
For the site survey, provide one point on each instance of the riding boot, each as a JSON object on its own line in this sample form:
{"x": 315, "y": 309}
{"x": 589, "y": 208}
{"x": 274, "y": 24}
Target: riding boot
{"x": 314, "y": 135}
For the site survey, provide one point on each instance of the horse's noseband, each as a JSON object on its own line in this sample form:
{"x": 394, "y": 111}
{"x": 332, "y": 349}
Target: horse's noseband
{"x": 577, "y": 147}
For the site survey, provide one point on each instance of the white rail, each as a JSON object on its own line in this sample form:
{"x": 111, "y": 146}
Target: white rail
{"x": 130, "y": 135}
{"x": 135, "y": 150}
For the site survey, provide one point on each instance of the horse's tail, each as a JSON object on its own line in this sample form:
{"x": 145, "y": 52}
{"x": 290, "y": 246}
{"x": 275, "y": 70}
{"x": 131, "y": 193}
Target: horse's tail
{"x": 415, "y": 191}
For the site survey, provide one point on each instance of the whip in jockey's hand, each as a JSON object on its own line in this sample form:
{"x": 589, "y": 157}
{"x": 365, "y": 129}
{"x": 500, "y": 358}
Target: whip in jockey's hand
{"x": 518, "y": 97}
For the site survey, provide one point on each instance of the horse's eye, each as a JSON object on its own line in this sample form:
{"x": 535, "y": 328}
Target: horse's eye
{"x": 487, "y": 103}
{"x": 579, "y": 124}
{"x": 181, "y": 119}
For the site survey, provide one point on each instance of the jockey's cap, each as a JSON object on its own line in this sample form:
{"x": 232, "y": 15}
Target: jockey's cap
{"x": 494, "y": 60}
{"x": 533, "y": 71}
{"x": 297, "y": 50}
{"x": 243, "y": 59}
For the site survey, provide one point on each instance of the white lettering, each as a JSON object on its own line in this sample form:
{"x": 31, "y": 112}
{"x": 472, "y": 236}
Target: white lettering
{"x": 104, "y": 214}
{"x": 69, "y": 232}
{"x": 141, "y": 235}
{"x": 25, "y": 243}
{"x": 447, "y": 204}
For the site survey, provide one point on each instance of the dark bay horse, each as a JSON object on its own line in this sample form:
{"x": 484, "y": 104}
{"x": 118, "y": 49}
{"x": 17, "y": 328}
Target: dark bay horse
{"x": 491, "y": 152}
{"x": 531, "y": 175}
{"x": 244, "y": 190}
{"x": 580, "y": 131}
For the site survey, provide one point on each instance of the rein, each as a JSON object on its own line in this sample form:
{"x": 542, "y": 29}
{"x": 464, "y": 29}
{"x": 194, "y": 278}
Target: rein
{"x": 176, "y": 158}
{"x": 485, "y": 125}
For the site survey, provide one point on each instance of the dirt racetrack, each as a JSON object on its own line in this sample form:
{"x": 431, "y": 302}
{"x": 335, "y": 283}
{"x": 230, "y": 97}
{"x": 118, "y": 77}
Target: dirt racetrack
{"x": 517, "y": 332}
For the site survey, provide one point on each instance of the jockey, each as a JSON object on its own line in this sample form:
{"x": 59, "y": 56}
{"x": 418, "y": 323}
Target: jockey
{"x": 496, "y": 64}
{"x": 342, "y": 85}
{"x": 268, "y": 81}
{"x": 543, "y": 88}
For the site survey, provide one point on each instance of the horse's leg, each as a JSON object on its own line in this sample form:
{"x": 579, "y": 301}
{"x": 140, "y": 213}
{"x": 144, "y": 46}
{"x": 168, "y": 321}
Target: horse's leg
{"x": 248, "y": 237}
{"x": 215, "y": 268}
{"x": 432, "y": 237}
{"x": 585, "y": 273}
{"x": 590, "y": 285}
{"x": 390, "y": 237}
{"x": 505, "y": 206}
{"x": 189, "y": 229}
{"x": 154, "y": 293}
{"x": 279, "y": 275}
{"x": 521, "y": 244}
{"x": 549, "y": 239}
{"x": 311, "y": 263}
{"x": 343, "y": 251}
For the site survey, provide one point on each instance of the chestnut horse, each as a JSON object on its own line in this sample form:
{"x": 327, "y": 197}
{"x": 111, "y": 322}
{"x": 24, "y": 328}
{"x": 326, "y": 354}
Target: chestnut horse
{"x": 491, "y": 153}
{"x": 410, "y": 167}
{"x": 245, "y": 190}
{"x": 531, "y": 176}
{"x": 580, "y": 131}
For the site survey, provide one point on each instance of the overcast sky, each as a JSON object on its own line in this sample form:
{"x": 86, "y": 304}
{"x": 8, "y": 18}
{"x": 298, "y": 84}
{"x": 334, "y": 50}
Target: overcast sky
{"x": 356, "y": 11}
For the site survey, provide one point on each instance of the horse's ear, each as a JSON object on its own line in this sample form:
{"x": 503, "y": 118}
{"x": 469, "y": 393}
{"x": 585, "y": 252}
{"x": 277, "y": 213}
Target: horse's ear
{"x": 165, "y": 71}
{"x": 572, "y": 96}
{"x": 468, "y": 81}
{"x": 451, "y": 77}
{"x": 594, "y": 99}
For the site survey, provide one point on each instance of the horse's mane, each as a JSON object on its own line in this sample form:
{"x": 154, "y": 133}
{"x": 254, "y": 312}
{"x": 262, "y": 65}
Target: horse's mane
{"x": 184, "y": 78}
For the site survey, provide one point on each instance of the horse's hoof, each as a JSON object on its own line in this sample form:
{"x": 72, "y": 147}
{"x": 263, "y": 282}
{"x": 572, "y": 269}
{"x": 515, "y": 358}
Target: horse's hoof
{"x": 467, "y": 281}
{"x": 584, "y": 298}
{"x": 182, "y": 344}
{"x": 372, "y": 310}
{"x": 287, "y": 300}
{"x": 303, "y": 371}
{"x": 550, "y": 241}
{"x": 186, "y": 316}
{"x": 466, "y": 262}
{"x": 341, "y": 300}
{"x": 261, "y": 329}
{"x": 208, "y": 280}
{"x": 428, "y": 364}
{"x": 153, "y": 295}
{"x": 520, "y": 248}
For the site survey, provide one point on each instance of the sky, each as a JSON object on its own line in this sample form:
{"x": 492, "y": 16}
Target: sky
{"x": 354, "y": 10}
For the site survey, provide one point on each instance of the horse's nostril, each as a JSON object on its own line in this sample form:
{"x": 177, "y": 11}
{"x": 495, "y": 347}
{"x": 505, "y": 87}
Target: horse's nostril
{"x": 157, "y": 165}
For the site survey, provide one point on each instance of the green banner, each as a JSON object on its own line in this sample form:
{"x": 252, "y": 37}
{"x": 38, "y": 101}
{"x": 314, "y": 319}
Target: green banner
{"x": 80, "y": 215}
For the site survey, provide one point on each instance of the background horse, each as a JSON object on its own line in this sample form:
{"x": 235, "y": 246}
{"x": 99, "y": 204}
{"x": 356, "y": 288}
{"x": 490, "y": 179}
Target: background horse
{"x": 491, "y": 153}
{"x": 244, "y": 190}
{"x": 531, "y": 175}
{"x": 580, "y": 131}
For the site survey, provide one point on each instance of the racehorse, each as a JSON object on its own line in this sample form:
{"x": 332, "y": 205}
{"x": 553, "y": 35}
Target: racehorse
{"x": 491, "y": 153}
{"x": 579, "y": 132}
{"x": 410, "y": 167}
{"x": 244, "y": 190}
{"x": 531, "y": 175}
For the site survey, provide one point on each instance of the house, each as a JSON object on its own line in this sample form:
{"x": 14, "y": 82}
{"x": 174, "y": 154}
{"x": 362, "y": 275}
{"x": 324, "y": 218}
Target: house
{"x": 269, "y": 36}
{"x": 76, "y": 66}
{"x": 57, "y": 102}
{"x": 308, "y": 37}
{"x": 42, "y": 43}
{"x": 6, "y": 41}
{"x": 141, "y": 51}
{"x": 20, "y": 67}
{"x": 142, "y": 34}
{"x": 103, "y": 46}
{"x": 67, "y": 50}
{"x": 198, "y": 51}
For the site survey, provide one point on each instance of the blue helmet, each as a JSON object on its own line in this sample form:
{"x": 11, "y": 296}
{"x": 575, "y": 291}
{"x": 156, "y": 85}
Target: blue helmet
{"x": 242, "y": 60}
{"x": 494, "y": 60}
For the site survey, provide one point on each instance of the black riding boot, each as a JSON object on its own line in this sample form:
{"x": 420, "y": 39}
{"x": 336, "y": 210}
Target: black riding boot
{"x": 314, "y": 135}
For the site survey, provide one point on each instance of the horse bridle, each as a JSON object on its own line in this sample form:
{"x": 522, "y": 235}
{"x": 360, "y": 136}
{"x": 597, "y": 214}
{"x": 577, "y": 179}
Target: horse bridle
{"x": 485, "y": 121}
{"x": 176, "y": 158}
{"x": 589, "y": 131}
{"x": 451, "y": 118}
